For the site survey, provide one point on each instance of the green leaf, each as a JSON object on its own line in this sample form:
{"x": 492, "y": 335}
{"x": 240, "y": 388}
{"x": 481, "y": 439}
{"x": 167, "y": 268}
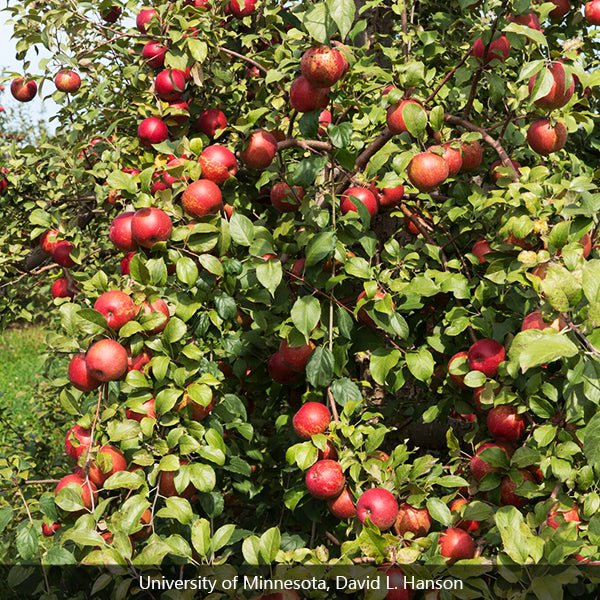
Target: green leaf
{"x": 251, "y": 550}
{"x": 27, "y": 541}
{"x": 212, "y": 264}
{"x": 122, "y": 181}
{"x": 342, "y": 12}
{"x": 591, "y": 440}
{"x": 513, "y": 532}
{"x": 6, "y": 514}
{"x": 591, "y": 280}
{"x": 533, "y": 348}
{"x": 383, "y": 360}
{"x": 306, "y": 313}
{"x": 201, "y": 536}
{"x": 202, "y": 477}
{"x": 318, "y": 23}
{"x": 439, "y": 511}
{"x": 187, "y": 271}
{"x": 198, "y": 49}
{"x": 305, "y": 172}
{"x": 270, "y": 273}
{"x": 269, "y": 544}
{"x": 319, "y": 369}
{"x": 222, "y": 537}
{"x": 241, "y": 229}
{"x": 420, "y": 363}
{"x": 344, "y": 390}
{"x": 415, "y": 118}
{"x": 340, "y": 135}
{"x": 178, "y": 509}
{"x": 321, "y": 246}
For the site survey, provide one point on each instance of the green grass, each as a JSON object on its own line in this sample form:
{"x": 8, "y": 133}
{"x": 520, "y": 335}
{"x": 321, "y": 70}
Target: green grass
{"x": 21, "y": 372}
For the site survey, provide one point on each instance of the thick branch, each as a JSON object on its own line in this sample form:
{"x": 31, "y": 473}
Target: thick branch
{"x": 305, "y": 144}
{"x": 378, "y": 143}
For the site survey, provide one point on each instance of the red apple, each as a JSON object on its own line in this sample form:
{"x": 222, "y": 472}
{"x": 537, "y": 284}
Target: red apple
{"x": 456, "y": 544}
{"x": 499, "y": 49}
{"x": 485, "y": 356}
{"x": 562, "y": 8}
{"x": 124, "y": 264}
{"x": 67, "y": 81}
{"x": 458, "y": 380}
{"x": 211, "y": 121}
{"x": 295, "y": 357}
{"x": 313, "y": 418}
{"x": 23, "y": 91}
{"x": 324, "y": 121}
{"x": 558, "y": 95}
{"x": 452, "y": 156}
{"x": 87, "y": 490}
{"x": 144, "y": 17}
{"x": 322, "y": 66}
{"x": 285, "y": 198}
{"x": 395, "y": 118}
{"x": 179, "y": 112}
{"x": 380, "y": 506}
{"x": 109, "y": 460}
{"x": 529, "y": 20}
{"x": 111, "y": 15}
{"x": 139, "y": 361}
{"x": 77, "y": 441}
{"x": 364, "y": 195}
{"x": 305, "y": 98}
{"x": 167, "y": 487}
{"x": 495, "y": 174}
{"x": 117, "y": 307}
{"x": 387, "y": 198}
{"x": 152, "y": 131}
{"x": 106, "y": 360}
{"x": 505, "y": 423}
{"x": 239, "y": 11}
{"x": 535, "y": 320}
{"x": 62, "y": 254}
{"x": 201, "y": 198}
{"x": 150, "y": 225}
{"x": 480, "y": 467}
{"x": 170, "y": 85}
{"x": 199, "y": 412}
{"x": 544, "y": 138}
{"x": 50, "y": 530}
{"x": 279, "y": 372}
{"x": 50, "y": 240}
{"x": 218, "y": 164}
{"x": 148, "y": 411}
{"x": 153, "y": 53}
{"x": 159, "y": 305}
{"x": 426, "y": 171}
{"x": 79, "y": 375}
{"x": 508, "y": 497}
{"x": 567, "y": 515}
{"x": 120, "y": 233}
{"x": 62, "y": 288}
{"x": 412, "y": 520}
{"x": 329, "y": 452}
{"x": 260, "y": 150}
{"x": 480, "y": 249}
{"x": 342, "y": 506}
{"x": 472, "y": 155}
{"x": 325, "y": 479}
{"x": 397, "y": 586}
{"x": 467, "y": 525}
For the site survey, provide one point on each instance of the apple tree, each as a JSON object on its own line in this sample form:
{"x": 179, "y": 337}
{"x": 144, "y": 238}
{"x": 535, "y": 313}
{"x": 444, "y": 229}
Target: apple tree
{"x": 324, "y": 283}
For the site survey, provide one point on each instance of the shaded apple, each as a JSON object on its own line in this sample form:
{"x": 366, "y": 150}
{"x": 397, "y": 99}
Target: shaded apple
{"x": 508, "y": 495}
{"x": 211, "y": 121}
{"x": 77, "y": 441}
{"x": 22, "y": 90}
{"x": 412, "y": 520}
{"x": 395, "y": 118}
{"x": 79, "y": 375}
{"x": 342, "y": 506}
{"x": 456, "y": 544}
{"x": 260, "y": 150}
{"x": 305, "y": 98}
{"x": 505, "y": 423}
{"x": 364, "y": 195}
{"x": 285, "y": 198}
{"x": 120, "y": 233}
{"x": 88, "y": 490}
{"x": 480, "y": 249}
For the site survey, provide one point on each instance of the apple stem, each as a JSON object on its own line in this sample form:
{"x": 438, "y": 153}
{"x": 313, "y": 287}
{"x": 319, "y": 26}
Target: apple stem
{"x": 332, "y": 405}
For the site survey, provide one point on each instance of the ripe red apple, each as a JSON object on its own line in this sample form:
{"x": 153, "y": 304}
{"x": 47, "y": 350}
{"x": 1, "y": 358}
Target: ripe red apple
{"x": 120, "y": 233}
{"x": 79, "y": 375}
{"x": 485, "y": 355}
{"x": 50, "y": 240}
{"x": 568, "y": 516}
{"x": 179, "y": 112}
{"x": 324, "y": 121}
{"x": 260, "y": 150}
{"x": 170, "y": 85}
{"x": 364, "y": 195}
{"x": 199, "y": 411}
{"x": 412, "y": 520}
{"x": 544, "y": 138}
{"x": 106, "y": 360}
{"x": 67, "y": 81}
{"x": 152, "y": 131}
{"x": 562, "y": 8}
{"x": 467, "y": 525}
{"x": 211, "y": 121}
{"x": 586, "y": 242}
{"x": 159, "y": 305}
{"x": 139, "y": 361}
{"x": 87, "y": 490}
{"x": 495, "y": 174}
{"x": 529, "y": 20}
{"x": 456, "y": 544}
{"x": 305, "y": 98}
{"x": 499, "y": 49}
{"x": 201, "y": 198}
{"x": 325, "y": 479}
{"x": 109, "y": 460}
{"x": 62, "y": 253}
{"x": 362, "y": 313}
{"x": 144, "y": 17}
{"x": 558, "y": 95}
{"x": 117, "y": 307}
{"x": 150, "y": 225}
{"x": 342, "y": 506}
{"x": 313, "y": 418}
{"x": 535, "y": 320}
{"x": 426, "y": 171}
{"x": 329, "y": 452}
{"x": 249, "y": 6}
{"x": 285, "y": 198}
{"x": 148, "y": 411}
{"x": 452, "y": 156}
{"x": 167, "y": 487}
{"x": 218, "y": 164}
{"x": 380, "y": 506}
{"x": 172, "y": 164}
{"x": 124, "y": 264}
{"x": 77, "y": 441}
{"x": 295, "y": 357}
{"x": 387, "y": 198}
{"x": 508, "y": 497}
{"x": 23, "y": 91}
{"x": 111, "y": 15}
{"x": 50, "y": 530}
{"x": 62, "y": 288}
{"x": 154, "y": 54}
{"x": 480, "y": 467}
{"x": 279, "y": 372}
{"x": 505, "y": 423}
{"x": 480, "y": 249}
{"x": 398, "y": 588}
{"x": 394, "y": 117}
{"x": 472, "y": 155}
{"x": 322, "y": 66}
{"x": 458, "y": 380}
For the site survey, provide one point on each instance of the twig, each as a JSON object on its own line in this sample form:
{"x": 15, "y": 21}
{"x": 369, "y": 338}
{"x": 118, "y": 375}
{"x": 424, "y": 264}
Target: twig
{"x": 334, "y": 411}
{"x": 462, "y": 61}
